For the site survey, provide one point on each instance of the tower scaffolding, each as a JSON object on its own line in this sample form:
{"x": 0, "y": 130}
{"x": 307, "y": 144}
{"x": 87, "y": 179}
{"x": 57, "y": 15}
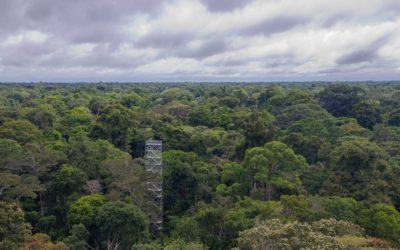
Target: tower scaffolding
{"x": 154, "y": 183}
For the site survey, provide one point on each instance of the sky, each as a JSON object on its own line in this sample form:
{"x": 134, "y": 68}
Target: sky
{"x": 199, "y": 40}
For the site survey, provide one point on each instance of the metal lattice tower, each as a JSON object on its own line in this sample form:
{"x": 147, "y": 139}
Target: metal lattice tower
{"x": 154, "y": 183}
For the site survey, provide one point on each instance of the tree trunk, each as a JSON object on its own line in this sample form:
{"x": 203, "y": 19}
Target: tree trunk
{"x": 41, "y": 202}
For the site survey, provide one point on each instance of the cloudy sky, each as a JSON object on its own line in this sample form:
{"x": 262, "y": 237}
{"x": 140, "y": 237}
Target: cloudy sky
{"x": 199, "y": 40}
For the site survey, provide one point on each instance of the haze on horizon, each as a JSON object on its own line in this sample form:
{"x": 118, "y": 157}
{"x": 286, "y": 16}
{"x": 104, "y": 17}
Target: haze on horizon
{"x": 199, "y": 40}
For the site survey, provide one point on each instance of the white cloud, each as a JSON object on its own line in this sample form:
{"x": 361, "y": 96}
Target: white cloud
{"x": 13, "y": 39}
{"x": 82, "y": 49}
{"x": 28, "y": 36}
{"x": 35, "y": 36}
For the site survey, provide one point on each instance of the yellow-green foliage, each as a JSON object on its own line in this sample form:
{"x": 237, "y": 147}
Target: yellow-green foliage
{"x": 360, "y": 242}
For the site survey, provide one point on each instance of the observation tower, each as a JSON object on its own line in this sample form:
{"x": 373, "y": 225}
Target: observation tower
{"x": 154, "y": 183}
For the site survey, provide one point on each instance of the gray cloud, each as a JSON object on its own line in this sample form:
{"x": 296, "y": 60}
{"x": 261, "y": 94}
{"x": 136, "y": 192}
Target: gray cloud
{"x": 84, "y": 21}
{"x": 367, "y": 54}
{"x": 11, "y": 16}
{"x": 283, "y": 60}
{"x": 161, "y": 39}
{"x": 358, "y": 56}
{"x": 207, "y": 49}
{"x": 276, "y": 25}
{"x": 390, "y": 9}
{"x": 176, "y": 45}
{"x": 225, "y": 5}
{"x": 332, "y": 20}
{"x": 27, "y": 53}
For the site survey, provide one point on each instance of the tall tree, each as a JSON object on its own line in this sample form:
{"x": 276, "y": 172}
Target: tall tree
{"x": 122, "y": 224}
{"x": 187, "y": 180}
{"x": 116, "y": 124}
{"x": 339, "y": 99}
{"x": 274, "y": 169}
{"x": 13, "y": 229}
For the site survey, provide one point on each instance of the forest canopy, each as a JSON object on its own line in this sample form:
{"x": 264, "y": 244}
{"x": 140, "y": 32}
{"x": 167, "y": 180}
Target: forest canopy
{"x": 245, "y": 166}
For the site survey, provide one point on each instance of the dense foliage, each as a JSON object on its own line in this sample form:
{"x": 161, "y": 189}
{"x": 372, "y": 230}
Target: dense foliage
{"x": 246, "y": 166}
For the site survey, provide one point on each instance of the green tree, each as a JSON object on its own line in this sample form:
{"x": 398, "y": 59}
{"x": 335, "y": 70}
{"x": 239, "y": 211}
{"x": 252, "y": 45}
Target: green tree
{"x": 234, "y": 180}
{"x": 219, "y": 142}
{"x": 332, "y": 227}
{"x": 64, "y": 182}
{"x": 291, "y": 97}
{"x": 122, "y": 224}
{"x": 338, "y": 99}
{"x": 295, "y": 207}
{"x": 342, "y": 208}
{"x": 274, "y": 170}
{"x": 182, "y": 245}
{"x": 176, "y": 94}
{"x": 131, "y": 99}
{"x": 146, "y": 246}
{"x": 126, "y": 177}
{"x": 36, "y": 162}
{"x": 42, "y": 242}
{"x": 229, "y": 101}
{"x": 13, "y": 229}
{"x": 264, "y": 96}
{"x": 68, "y": 179}
{"x": 115, "y": 124}
{"x": 96, "y": 105}
{"x": 358, "y": 168}
{"x": 79, "y": 116}
{"x": 43, "y": 116}
{"x": 256, "y": 125}
{"x": 10, "y": 151}
{"x": 273, "y": 234}
{"x": 299, "y": 112}
{"x": 86, "y": 155}
{"x": 178, "y": 110}
{"x": 7, "y": 183}
{"x": 78, "y": 120}
{"x": 222, "y": 117}
{"x": 78, "y": 237}
{"x": 367, "y": 114}
{"x": 313, "y": 148}
{"x": 201, "y": 116}
{"x": 20, "y": 130}
{"x": 382, "y": 220}
{"x": 187, "y": 180}
{"x": 86, "y": 209}
{"x": 394, "y": 118}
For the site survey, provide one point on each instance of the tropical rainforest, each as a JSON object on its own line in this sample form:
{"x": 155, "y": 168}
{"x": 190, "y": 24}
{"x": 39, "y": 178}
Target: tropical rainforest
{"x": 245, "y": 165}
